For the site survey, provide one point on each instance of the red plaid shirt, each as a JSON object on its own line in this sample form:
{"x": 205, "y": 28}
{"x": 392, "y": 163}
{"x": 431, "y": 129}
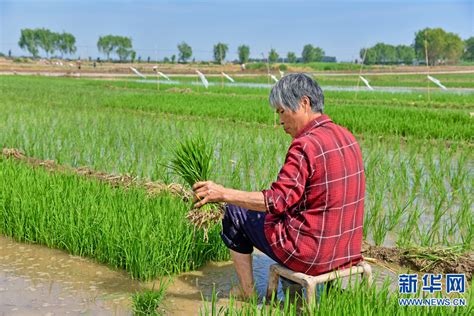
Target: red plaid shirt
{"x": 316, "y": 206}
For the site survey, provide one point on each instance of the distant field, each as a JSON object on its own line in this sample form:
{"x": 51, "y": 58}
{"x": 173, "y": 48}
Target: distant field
{"x": 380, "y": 80}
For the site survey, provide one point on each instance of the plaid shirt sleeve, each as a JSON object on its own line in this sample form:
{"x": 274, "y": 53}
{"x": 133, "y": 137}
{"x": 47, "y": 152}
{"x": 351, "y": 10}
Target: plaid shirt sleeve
{"x": 290, "y": 184}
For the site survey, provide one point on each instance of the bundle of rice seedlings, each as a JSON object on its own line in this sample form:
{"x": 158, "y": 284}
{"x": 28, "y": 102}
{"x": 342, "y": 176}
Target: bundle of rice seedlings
{"x": 192, "y": 161}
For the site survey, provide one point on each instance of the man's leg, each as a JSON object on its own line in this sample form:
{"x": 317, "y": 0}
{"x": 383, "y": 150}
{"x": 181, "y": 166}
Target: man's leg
{"x": 243, "y": 266}
{"x": 243, "y": 229}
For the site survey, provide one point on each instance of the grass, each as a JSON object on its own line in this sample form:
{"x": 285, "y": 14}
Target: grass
{"x": 147, "y": 302}
{"x": 123, "y": 228}
{"x": 359, "y": 299}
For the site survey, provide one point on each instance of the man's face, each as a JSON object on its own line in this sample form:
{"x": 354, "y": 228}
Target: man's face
{"x": 292, "y": 122}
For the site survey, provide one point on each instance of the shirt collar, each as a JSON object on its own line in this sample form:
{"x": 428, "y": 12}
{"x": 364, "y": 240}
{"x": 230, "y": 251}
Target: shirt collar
{"x": 320, "y": 120}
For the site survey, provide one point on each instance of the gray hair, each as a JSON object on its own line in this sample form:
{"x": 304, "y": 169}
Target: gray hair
{"x": 289, "y": 90}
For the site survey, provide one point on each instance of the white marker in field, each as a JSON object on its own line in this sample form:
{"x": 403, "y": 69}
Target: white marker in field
{"x": 159, "y": 73}
{"x": 273, "y": 77}
{"x": 163, "y": 75}
{"x": 228, "y": 77}
{"x": 366, "y": 82}
{"x": 203, "y": 79}
{"x": 437, "y": 82}
{"x": 281, "y": 74}
{"x": 138, "y": 73}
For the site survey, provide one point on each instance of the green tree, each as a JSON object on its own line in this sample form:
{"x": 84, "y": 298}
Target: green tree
{"x": 311, "y": 54}
{"x": 185, "y": 51}
{"x": 405, "y": 54}
{"x": 29, "y": 41}
{"x": 133, "y": 55}
{"x": 308, "y": 53}
{"x": 46, "y": 40}
{"x": 273, "y": 56}
{"x": 123, "y": 53}
{"x": 244, "y": 53}
{"x": 120, "y": 45}
{"x": 220, "y": 50}
{"x": 454, "y": 48}
{"x": 368, "y": 56}
{"x": 66, "y": 43}
{"x": 41, "y": 38}
{"x": 469, "y": 49}
{"x": 382, "y": 53}
{"x": 318, "y": 53}
{"x": 441, "y": 46}
{"x": 385, "y": 54}
{"x": 105, "y": 45}
{"x": 291, "y": 57}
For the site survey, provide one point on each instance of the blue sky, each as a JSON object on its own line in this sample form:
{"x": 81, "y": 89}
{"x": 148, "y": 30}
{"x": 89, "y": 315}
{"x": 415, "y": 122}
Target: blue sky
{"x": 341, "y": 28}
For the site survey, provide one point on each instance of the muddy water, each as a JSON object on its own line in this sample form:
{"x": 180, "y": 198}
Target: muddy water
{"x": 36, "y": 280}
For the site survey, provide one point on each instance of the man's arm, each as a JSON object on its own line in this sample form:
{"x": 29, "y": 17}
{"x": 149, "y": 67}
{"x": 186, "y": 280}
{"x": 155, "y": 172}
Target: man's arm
{"x": 208, "y": 191}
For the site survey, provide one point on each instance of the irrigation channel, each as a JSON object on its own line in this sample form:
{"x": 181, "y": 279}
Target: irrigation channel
{"x": 326, "y": 88}
{"x": 36, "y": 280}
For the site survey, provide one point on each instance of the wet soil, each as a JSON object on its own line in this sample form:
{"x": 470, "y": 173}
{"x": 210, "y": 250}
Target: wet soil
{"x": 124, "y": 181}
{"x": 432, "y": 260}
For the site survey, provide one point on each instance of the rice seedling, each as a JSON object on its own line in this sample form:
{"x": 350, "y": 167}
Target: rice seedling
{"x": 147, "y": 302}
{"x": 192, "y": 161}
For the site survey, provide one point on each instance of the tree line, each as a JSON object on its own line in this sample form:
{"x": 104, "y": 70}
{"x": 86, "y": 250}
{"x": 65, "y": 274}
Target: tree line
{"x": 434, "y": 45}
{"x": 309, "y": 54}
{"x": 440, "y": 47}
{"x": 50, "y": 42}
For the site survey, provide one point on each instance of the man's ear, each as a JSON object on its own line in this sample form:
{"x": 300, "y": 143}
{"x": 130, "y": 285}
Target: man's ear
{"x": 306, "y": 104}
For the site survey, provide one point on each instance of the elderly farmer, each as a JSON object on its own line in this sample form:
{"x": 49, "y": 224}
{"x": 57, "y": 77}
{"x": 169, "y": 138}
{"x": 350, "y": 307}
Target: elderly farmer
{"x": 310, "y": 219}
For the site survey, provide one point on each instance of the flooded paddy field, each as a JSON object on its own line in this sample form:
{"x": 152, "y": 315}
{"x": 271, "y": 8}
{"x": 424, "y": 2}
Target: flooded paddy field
{"x": 418, "y": 162}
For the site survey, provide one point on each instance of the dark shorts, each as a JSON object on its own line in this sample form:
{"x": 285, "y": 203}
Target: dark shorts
{"x": 243, "y": 229}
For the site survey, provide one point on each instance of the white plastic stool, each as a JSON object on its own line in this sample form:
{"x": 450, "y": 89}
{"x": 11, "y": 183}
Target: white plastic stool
{"x": 310, "y": 282}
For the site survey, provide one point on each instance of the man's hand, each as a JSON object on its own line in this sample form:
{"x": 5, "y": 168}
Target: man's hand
{"x": 207, "y": 191}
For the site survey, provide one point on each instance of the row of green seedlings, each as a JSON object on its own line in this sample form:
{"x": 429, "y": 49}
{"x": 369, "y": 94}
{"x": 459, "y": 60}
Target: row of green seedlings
{"x": 375, "y": 118}
{"x": 392, "y": 186}
{"x": 192, "y": 161}
{"x": 422, "y": 202}
{"x": 124, "y": 228}
{"x": 416, "y": 99}
{"x": 33, "y": 87}
{"x": 360, "y": 118}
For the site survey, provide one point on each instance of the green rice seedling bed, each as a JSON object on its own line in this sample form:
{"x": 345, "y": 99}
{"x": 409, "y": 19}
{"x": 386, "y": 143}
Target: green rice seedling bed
{"x": 369, "y": 117}
{"x": 419, "y": 191}
{"x": 126, "y": 229}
